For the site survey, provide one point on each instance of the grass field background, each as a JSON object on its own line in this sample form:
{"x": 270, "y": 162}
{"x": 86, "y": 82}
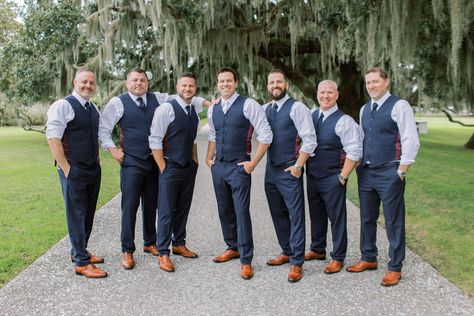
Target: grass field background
{"x": 439, "y": 198}
{"x": 32, "y": 216}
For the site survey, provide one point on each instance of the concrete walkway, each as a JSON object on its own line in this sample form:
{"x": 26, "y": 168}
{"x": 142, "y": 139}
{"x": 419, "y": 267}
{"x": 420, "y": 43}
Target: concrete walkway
{"x": 201, "y": 287}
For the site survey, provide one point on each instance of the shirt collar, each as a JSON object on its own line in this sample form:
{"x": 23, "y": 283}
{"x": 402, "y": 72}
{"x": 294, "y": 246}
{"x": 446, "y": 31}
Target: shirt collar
{"x": 231, "y": 99}
{"x": 135, "y": 97}
{"x": 281, "y": 101}
{"x": 182, "y": 103}
{"x": 329, "y": 112}
{"x": 80, "y": 99}
{"x": 382, "y": 100}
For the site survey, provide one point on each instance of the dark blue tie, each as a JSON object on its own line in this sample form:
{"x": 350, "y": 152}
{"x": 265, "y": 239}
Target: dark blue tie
{"x": 141, "y": 104}
{"x": 374, "y": 109}
{"x": 188, "y": 110}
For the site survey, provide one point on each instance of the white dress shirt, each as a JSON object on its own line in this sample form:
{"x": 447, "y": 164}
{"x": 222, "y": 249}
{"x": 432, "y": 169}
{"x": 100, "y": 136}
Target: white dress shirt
{"x": 60, "y": 113}
{"x": 252, "y": 112}
{"x": 348, "y": 131}
{"x": 402, "y": 114}
{"x": 113, "y": 112}
{"x": 163, "y": 117}
{"x": 301, "y": 117}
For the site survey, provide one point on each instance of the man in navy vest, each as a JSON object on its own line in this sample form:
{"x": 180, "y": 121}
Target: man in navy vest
{"x": 339, "y": 149}
{"x": 72, "y": 128}
{"x": 133, "y": 112}
{"x": 231, "y": 124}
{"x": 172, "y": 141}
{"x": 390, "y": 146}
{"x": 291, "y": 124}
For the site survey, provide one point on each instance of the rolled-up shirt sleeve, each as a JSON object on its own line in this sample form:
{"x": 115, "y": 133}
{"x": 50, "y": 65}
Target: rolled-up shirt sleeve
{"x": 164, "y": 115}
{"x": 112, "y": 113}
{"x": 59, "y": 115}
{"x": 212, "y": 131}
{"x": 402, "y": 114}
{"x": 256, "y": 115}
{"x": 349, "y": 133}
{"x": 303, "y": 121}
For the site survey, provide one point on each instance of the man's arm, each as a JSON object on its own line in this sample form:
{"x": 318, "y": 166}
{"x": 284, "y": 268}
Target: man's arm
{"x": 195, "y": 154}
{"x": 296, "y": 170}
{"x": 211, "y": 152}
{"x": 159, "y": 158}
{"x": 110, "y": 116}
{"x": 249, "y": 166}
{"x": 57, "y": 151}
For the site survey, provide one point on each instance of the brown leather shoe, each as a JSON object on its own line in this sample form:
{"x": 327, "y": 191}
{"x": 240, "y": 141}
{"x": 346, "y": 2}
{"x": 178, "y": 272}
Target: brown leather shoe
{"x": 315, "y": 255}
{"x": 184, "y": 251}
{"x": 333, "y": 266}
{"x": 391, "y": 278}
{"x": 165, "y": 263}
{"x": 93, "y": 259}
{"x": 362, "y": 266}
{"x": 128, "y": 263}
{"x": 246, "y": 271}
{"x": 90, "y": 271}
{"x": 151, "y": 249}
{"x": 229, "y": 254}
{"x": 279, "y": 260}
{"x": 295, "y": 274}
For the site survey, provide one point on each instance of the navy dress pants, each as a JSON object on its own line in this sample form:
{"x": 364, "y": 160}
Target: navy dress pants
{"x": 80, "y": 191}
{"x": 174, "y": 201}
{"x": 232, "y": 188}
{"x": 327, "y": 200}
{"x": 138, "y": 181}
{"x": 376, "y": 185}
{"x": 285, "y": 198}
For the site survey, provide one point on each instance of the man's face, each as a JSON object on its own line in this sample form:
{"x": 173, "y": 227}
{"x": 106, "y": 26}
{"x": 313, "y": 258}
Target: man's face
{"x": 376, "y": 85}
{"x": 327, "y": 96}
{"x": 277, "y": 85}
{"x": 137, "y": 83}
{"x": 226, "y": 84}
{"x": 186, "y": 88}
{"x": 84, "y": 84}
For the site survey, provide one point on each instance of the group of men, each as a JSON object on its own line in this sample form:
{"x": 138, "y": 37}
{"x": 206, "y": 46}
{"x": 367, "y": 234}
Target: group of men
{"x": 158, "y": 161}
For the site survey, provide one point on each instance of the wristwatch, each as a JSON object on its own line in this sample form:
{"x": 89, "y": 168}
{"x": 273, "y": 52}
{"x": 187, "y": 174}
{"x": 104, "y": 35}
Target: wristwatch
{"x": 401, "y": 173}
{"x": 342, "y": 178}
{"x": 298, "y": 167}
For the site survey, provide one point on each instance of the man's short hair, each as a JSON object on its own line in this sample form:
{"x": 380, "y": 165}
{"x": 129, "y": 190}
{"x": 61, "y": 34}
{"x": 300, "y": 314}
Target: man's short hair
{"x": 187, "y": 75}
{"x": 378, "y": 70}
{"x": 278, "y": 71}
{"x": 83, "y": 69}
{"x": 139, "y": 70}
{"x": 228, "y": 69}
{"x": 328, "y": 81}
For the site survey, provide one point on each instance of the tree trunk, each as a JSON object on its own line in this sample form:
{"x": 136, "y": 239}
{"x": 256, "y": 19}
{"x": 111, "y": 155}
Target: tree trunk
{"x": 470, "y": 142}
{"x": 351, "y": 89}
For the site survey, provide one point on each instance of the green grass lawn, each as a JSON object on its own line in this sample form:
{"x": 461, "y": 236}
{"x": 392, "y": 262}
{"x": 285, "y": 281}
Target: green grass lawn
{"x": 440, "y": 201}
{"x": 32, "y": 215}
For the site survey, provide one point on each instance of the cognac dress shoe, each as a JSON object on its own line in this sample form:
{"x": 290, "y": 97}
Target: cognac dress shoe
{"x": 362, "y": 266}
{"x": 128, "y": 263}
{"x": 151, "y": 249}
{"x": 229, "y": 254}
{"x": 295, "y": 274}
{"x": 184, "y": 251}
{"x": 391, "y": 278}
{"x": 279, "y": 260}
{"x": 93, "y": 259}
{"x": 90, "y": 271}
{"x": 334, "y": 266}
{"x": 246, "y": 271}
{"x": 315, "y": 255}
{"x": 165, "y": 263}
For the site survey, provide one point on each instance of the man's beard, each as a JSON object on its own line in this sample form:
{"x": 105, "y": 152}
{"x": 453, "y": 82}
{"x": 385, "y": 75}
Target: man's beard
{"x": 279, "y": 96}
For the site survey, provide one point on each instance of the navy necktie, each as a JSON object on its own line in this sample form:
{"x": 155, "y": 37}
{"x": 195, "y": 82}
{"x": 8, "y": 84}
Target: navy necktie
{"x": 321, "y": 118}
{"x": 141, "y": 104}
{"x": 87, "y": 106}
{"x": 374, "y": 109}
{"x": 188, "y": 110}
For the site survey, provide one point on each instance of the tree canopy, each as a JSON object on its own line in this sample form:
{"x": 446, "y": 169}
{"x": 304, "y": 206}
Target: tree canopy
{"x": 427, "y": 45}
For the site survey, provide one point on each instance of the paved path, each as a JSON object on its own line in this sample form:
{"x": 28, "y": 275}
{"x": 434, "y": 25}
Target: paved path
{"x": 201, "y": 287}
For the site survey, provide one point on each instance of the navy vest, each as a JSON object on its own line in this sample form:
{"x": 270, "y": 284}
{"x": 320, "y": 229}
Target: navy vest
{"x": 233, "y": 132}
{"x": 135, "y": 126}
{"x": 285, "y": 146}
{"x": 179, "y": 139}
{"x": 382, "y": 138}
{"x": 80, "y": 139}
{"x": 329, "y": 155}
